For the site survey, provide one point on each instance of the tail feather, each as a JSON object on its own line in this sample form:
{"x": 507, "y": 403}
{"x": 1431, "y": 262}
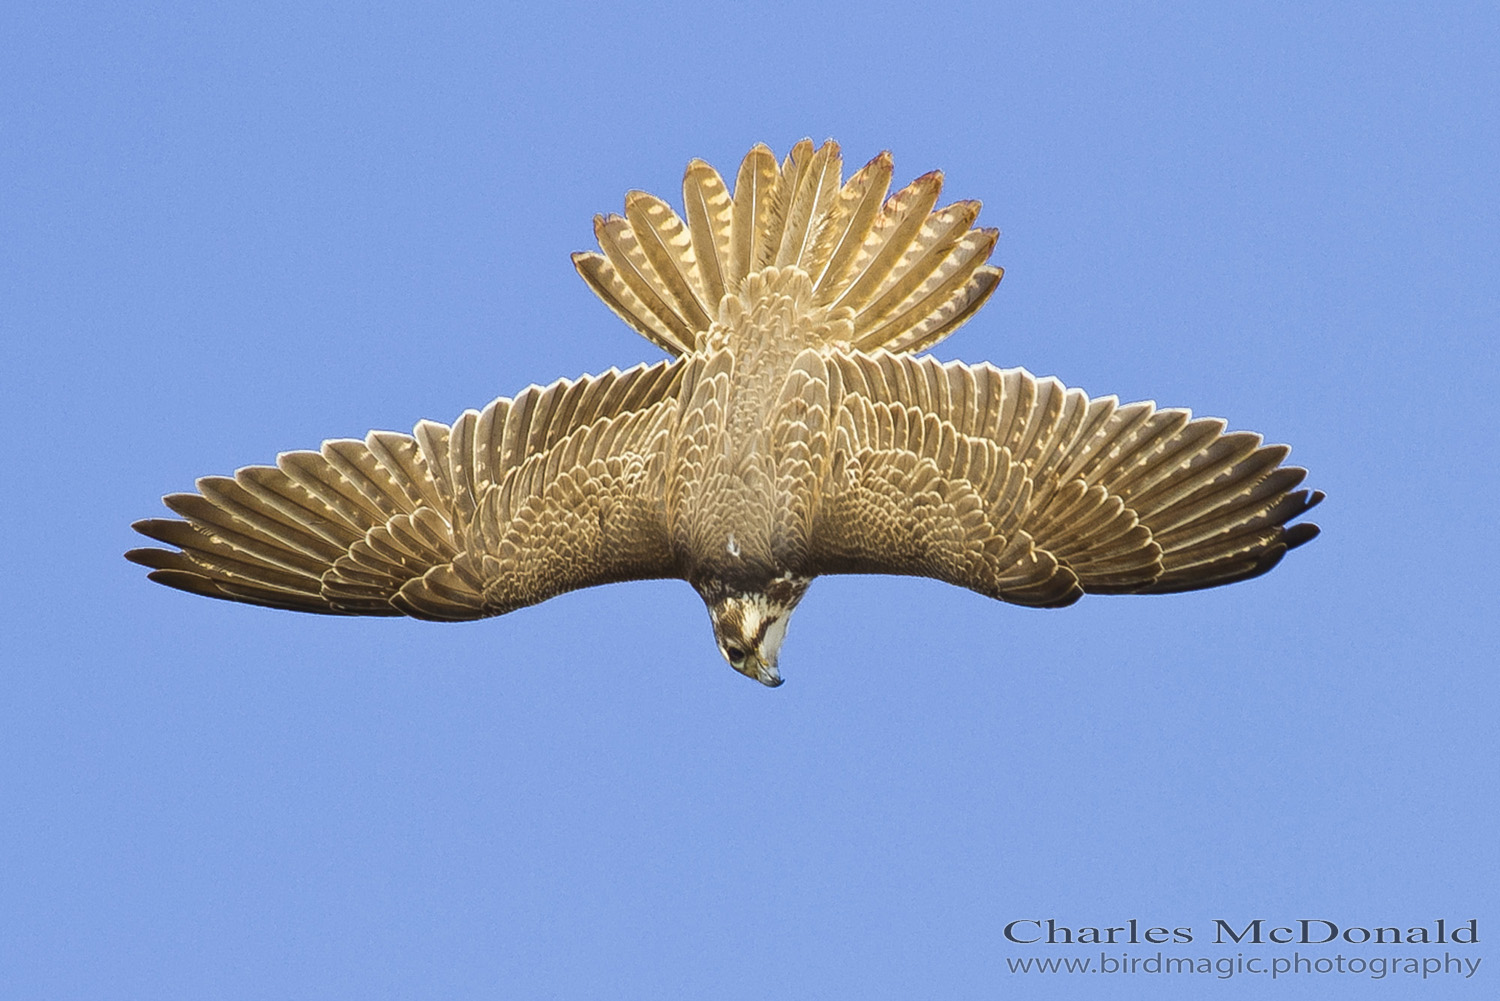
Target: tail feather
{"x": 849, "y": 222}
{"x": 895, "y": 230}
{"x": 750, "y": 225}
{"x": 668, "y": 248}
{"x": 804, "y": 200}
{"x": 626, "y": 261}
{"x": 710, "y": 210}
{"x": 910, "y": 272}
{"x": 956, "y": 280}
{"x": 928, "y": 251}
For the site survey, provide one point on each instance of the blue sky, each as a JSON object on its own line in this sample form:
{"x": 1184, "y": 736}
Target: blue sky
{"x": 233, "y": 231}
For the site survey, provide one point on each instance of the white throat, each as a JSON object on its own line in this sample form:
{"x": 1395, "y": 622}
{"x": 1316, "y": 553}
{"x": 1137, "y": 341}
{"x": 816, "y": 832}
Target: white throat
{"x": 757, "y": 613}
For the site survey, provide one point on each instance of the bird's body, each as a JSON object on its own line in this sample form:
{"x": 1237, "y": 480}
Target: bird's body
{"x": 794, "y": 434}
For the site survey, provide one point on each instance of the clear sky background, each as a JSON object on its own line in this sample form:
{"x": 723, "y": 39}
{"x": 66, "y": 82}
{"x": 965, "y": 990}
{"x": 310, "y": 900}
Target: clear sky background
{"x": 231, "y": 231}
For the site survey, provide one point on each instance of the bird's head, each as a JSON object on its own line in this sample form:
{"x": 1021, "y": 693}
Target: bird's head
{"x": 749, "y": 627}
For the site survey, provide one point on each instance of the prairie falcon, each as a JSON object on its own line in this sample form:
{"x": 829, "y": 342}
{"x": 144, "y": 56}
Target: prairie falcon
{"x": 795, "y": 432}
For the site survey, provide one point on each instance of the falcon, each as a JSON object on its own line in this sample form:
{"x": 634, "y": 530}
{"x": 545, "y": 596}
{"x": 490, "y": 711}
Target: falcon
{"x": 796, "y": 431}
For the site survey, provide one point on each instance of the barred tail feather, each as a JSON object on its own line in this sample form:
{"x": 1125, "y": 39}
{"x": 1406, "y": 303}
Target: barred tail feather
{"x": 910, "y": 272}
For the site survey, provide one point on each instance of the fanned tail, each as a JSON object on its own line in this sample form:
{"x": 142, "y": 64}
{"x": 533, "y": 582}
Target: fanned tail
{"x": 909, "y": 273}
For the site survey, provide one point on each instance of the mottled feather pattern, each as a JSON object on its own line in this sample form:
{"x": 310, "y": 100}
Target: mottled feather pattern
{"x": 795, "y": 433}
{"x": 800, "y": 443}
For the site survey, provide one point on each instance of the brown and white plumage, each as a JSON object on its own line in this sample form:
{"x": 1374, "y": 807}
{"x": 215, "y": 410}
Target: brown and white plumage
{"x": 794, "y": 434}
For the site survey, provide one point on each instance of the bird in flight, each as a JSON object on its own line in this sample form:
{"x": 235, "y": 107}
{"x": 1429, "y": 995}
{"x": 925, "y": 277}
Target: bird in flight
{"x": 796, "y": 431}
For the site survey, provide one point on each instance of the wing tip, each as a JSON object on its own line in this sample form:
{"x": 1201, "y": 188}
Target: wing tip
{"x": 1300, "y": 535}
{"x": 151, "y": 558}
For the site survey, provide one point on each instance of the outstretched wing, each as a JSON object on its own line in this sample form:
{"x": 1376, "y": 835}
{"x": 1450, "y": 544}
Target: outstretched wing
{"x": 557, "y": 489}
{"x": 1024, "y": 490}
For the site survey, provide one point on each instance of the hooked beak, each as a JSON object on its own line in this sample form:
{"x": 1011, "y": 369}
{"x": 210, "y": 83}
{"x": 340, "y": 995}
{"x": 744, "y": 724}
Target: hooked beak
{"x": 755, "y": 667}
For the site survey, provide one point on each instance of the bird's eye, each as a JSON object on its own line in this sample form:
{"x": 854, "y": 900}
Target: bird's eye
{"x": 734, "y": 653}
